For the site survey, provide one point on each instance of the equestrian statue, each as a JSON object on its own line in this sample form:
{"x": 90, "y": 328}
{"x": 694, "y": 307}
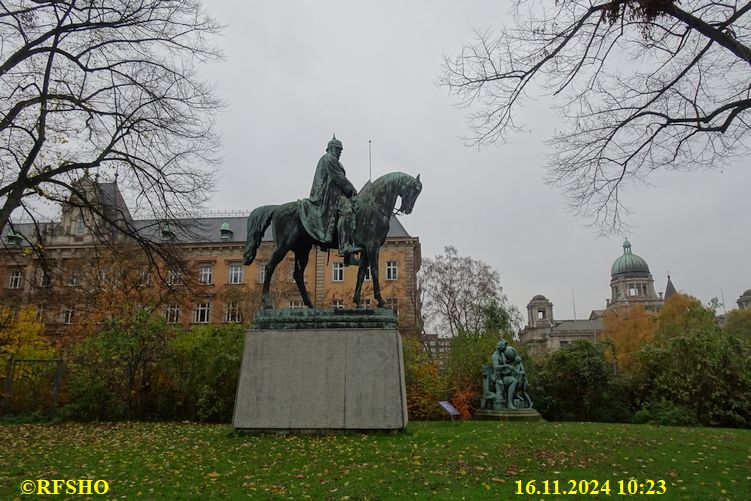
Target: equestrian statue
{"x": 335, "y": 216}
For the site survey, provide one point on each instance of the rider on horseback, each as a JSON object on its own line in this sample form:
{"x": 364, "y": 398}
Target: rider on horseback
{"x": 329, "y": 206}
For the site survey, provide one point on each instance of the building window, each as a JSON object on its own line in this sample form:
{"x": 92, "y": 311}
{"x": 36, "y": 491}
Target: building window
{"x": 68, "y": 316}
{"x": 40, "y": 313}
{"x": 104, "y": 277}
{"x": 563, "y": 343}
{"x": 15, "y": 279}
{"x": 73, "y": 280}
{"x": 296, "y": 304}
{"x": 45, "y": 280}
{"x": 144, "y": 278}
{"x": 174, "y": 278}
{"x": 173, "y": 313}
{"x": 393, "y": 304}
{"x": 261, "y": 272}
{"x": 367, "y": 274}
{"x": 338, "y": 303}
{"x": 367, "y": 303}
{"x": 232, "y": 313}
{"x": 337, "y": 272}
{"x": 13, "y": 238}
{"x": 633, "y": 290}
{"x": 166, "y": 231}
{"x": 202, "y": 313}
{"x": 392, "y": 270}
{"x": 80, "y": 225}
{"x": 235, "y": 273}
{"x": 205, "y": 272}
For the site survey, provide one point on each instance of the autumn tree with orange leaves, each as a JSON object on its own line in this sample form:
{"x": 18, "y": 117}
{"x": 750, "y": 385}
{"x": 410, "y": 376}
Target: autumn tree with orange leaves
{"x": 629, "y": 328}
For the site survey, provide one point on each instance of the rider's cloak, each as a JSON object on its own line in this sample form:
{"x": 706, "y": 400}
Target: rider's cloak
{"x": 319, "y": 212}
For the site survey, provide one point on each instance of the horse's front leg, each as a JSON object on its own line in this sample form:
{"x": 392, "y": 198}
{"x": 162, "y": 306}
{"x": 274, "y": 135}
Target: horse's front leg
{"x": 360, "y": 278}
{"x": 301, "y": 262}
{"x": 276, "y": 257}
{"x": 373, "y": 250}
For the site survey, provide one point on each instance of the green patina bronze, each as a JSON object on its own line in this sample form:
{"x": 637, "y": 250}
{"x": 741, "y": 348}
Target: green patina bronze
{"x": 326, "y": 318}
{"x": 334, "y": 217}
{"x": 328, "y": 210}
{"x": 505, "y": 381}
{"x": 629, "y": 262}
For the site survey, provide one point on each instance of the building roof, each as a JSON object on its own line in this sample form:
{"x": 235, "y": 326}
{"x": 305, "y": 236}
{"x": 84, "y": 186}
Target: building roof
{"x": 595, "y": 314}
{"x": 396, "y": 229}
{"x": 628, "y": 262}
{"x": 198, "y": 230}
{"x": 669, "y": 288}
{"x": 564, "y": 326}
{"x": 113, "y": 203}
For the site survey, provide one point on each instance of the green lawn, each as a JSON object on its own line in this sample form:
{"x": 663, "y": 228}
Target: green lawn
{"x": 472, "y": 460}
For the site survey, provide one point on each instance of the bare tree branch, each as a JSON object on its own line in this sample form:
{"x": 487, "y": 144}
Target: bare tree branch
{"x": 642, "y": 85}
{"x": 111, "y": 89}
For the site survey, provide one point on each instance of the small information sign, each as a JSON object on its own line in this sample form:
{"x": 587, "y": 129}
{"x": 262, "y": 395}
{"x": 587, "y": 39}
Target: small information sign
{"x": 448, "y": 407}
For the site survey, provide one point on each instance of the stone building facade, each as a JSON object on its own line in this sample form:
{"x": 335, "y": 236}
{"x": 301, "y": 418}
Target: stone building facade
{"x": 631, "y": 282}
{"x": 216, "y": 288}
{"x": 744, "y": 301}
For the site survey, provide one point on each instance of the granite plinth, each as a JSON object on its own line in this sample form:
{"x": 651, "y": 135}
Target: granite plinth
{"x": 508, "y": 415}
{"x": 321, "y": 380}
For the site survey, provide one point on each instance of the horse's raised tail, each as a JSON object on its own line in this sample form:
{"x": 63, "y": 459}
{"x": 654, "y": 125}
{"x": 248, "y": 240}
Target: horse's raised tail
{"x": 258, "y": 221}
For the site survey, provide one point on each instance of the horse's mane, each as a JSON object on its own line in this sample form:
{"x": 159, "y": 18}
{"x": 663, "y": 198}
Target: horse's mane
{"x": 372, "y": 187}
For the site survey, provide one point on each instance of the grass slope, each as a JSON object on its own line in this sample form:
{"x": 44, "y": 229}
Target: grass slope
{"x": 472, "y": 460}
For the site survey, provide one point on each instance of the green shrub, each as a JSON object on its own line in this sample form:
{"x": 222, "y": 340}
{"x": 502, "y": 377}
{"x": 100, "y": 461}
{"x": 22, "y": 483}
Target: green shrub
{"x": 666, "y": 414}
{"x": 425, "y": 383}
{"x": 204, "y": 368}
{"x": 703, "y": 370}
{"x": 576, "y": 383}
{"x": 469, "y": 352}
{"x": 117, "y": 372}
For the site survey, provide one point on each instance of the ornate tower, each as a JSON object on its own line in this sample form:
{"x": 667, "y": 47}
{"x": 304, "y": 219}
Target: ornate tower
{"x": 631, "y": 282}
{"x": 745, "y": 300}
{"x": 540, "y": 312}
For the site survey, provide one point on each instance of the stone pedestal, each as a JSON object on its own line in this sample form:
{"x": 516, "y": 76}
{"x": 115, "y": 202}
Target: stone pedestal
{"x": 508, "y": 415}
{"x": 320, "y": 371}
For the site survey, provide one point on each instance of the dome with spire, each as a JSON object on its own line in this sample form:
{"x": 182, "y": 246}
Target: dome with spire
{"x": 628, "y": 262}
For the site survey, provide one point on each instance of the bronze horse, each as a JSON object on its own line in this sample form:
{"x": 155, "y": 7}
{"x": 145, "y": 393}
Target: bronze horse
{"x": 373, "y": 210}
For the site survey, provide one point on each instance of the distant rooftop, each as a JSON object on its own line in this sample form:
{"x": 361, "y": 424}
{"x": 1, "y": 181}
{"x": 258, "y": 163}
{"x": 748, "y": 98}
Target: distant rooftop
{"x": 198, "y": 230}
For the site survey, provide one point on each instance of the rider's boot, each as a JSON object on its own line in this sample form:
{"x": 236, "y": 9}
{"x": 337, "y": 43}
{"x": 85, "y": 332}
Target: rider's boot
{"x": 346, "y": 246}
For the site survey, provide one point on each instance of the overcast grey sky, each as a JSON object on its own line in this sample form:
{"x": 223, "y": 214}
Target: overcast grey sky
{"x": 298, "y": 71}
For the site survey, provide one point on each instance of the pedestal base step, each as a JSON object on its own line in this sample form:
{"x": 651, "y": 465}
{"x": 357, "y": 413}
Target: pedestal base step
{"x": 508, "y": 415}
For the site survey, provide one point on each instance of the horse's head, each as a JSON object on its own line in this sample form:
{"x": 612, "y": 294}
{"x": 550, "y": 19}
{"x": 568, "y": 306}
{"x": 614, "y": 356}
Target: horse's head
{"x": 410, "y": 190}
